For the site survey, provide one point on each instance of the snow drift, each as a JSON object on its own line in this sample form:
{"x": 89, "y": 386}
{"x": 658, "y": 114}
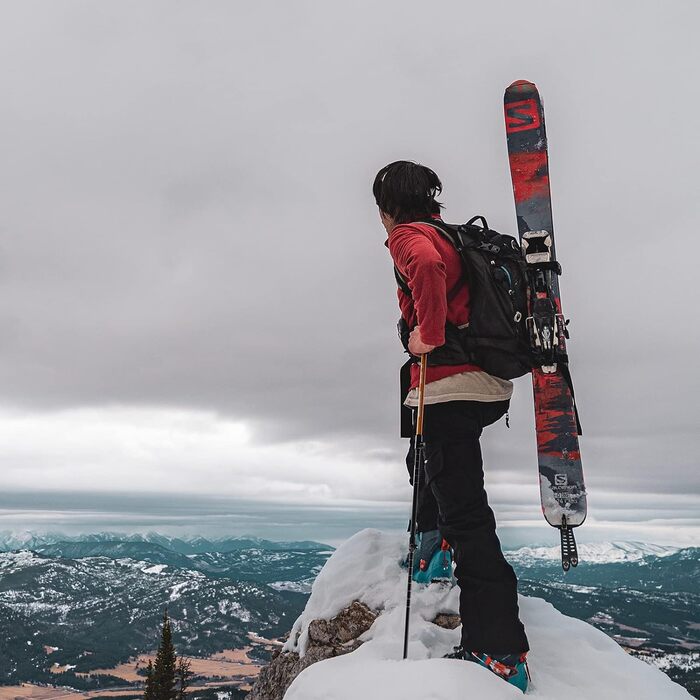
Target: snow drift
{"x": 569, "y": 658}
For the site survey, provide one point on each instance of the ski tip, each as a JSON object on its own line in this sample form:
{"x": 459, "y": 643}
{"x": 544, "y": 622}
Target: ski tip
{"x": 522, "y": 87}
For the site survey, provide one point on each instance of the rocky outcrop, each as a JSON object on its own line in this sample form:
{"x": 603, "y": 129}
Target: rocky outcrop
{"x": 327, "y": 638}
{"x": 447, "y": 620}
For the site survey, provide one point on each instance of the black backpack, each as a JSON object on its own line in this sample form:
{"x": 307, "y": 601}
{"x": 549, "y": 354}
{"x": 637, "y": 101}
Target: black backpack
{"x": 496, "y": 337}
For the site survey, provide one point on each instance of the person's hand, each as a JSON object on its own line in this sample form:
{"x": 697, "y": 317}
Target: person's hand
{"x": 416, "y": 346}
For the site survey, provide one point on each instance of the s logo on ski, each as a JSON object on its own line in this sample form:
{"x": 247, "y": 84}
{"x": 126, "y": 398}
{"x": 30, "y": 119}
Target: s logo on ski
{"x": 560, "y": 480}
{"x": 522, "y": 115}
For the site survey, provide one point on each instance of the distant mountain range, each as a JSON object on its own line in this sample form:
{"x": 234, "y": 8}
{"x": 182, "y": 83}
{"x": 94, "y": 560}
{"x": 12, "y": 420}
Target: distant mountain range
{"x": 11, "y": 540}
{"x": 646, "y": 597}
{"x": 597, "y": 553}
{"x": 96, "y": 600}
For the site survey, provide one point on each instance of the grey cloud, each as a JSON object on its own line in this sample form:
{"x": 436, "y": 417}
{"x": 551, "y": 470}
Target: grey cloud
{"x": 186, "y": 216}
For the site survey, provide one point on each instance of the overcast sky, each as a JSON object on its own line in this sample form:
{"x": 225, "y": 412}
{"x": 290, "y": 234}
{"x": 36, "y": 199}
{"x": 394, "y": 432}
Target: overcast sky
{"x": 194, "y": 293}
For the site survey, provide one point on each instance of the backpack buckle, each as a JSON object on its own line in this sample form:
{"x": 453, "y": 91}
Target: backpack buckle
{"x": 490, "y": 248}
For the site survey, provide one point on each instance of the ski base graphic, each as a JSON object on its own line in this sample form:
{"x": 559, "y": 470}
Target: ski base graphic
{"x": 562, "y": 488}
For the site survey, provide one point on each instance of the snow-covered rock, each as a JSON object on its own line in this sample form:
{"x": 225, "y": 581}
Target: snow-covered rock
{"x": 569, "y": 658}
{"x": 325, "y": 639}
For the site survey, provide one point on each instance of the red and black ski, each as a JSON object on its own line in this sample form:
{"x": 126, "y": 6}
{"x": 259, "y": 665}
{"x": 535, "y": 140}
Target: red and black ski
{"x": 562, "y": 488}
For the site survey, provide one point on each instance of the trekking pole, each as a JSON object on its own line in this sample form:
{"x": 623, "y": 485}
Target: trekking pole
{"x": 417, "y": 461}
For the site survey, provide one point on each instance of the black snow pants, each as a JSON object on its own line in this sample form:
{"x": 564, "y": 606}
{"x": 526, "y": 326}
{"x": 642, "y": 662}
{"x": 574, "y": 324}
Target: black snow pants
{"x": 452, "y": 499}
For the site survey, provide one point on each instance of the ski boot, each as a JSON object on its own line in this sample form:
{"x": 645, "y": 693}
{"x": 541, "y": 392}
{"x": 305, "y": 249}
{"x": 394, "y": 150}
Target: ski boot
{"x": 512, "y": 668}
{"x": 433, "y": 561}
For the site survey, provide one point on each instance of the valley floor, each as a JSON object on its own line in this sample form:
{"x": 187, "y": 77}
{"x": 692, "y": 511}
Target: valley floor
{"x": 29, "y": 691}
{"x": 228, "y": 668}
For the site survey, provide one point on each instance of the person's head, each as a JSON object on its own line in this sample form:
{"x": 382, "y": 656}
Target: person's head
{"x": 406, "y": 191}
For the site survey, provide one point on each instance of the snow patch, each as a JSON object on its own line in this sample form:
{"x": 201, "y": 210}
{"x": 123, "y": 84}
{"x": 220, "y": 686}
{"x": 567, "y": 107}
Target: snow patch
{"x": 303, "y": 586}
{"x": 176, "y": 590}
{"x": 685, "y": 662}
{"x": 18, "y": 560}
{"x": 155, "y": 569}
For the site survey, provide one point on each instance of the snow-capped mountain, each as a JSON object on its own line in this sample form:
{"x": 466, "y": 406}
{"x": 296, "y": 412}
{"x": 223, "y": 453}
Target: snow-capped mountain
{"x": 97, "y": 601}
{"x": 99, "y": 611}
{"x": 645, "y": 597}
{"x": 597, "y": 553}
{"x": 27, "y": 539}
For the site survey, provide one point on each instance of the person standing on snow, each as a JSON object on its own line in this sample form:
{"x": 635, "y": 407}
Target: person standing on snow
{"x": 460, "y": 400}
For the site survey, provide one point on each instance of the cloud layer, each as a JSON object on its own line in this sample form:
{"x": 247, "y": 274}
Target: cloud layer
{"x": 193, "y": 286}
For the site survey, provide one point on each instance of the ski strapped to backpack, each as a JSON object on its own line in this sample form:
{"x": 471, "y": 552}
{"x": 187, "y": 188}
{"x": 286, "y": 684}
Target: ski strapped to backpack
{"x": 496, "y": 337}
{"x": 562, "y": 487}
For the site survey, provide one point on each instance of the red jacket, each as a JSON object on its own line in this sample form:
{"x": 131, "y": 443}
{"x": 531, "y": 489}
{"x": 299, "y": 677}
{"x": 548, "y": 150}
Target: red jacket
{"x": 433, "y": 270}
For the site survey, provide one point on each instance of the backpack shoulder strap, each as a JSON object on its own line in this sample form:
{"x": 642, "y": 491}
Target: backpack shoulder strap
{"x": 462, "y": 236}
{"x": 401, "y": 281}
{"x": 447, "y": 231}
{"x": 450, "y": 233}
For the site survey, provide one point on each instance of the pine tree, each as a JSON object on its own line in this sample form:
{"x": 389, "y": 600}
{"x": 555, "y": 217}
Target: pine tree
{"x": 183, "y": 673}
{"x": 150, "y": 691}
{"x": 164, "y": 668}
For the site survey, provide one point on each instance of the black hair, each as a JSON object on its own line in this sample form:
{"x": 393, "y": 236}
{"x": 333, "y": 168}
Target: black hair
{"x": 406, "y": 191}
